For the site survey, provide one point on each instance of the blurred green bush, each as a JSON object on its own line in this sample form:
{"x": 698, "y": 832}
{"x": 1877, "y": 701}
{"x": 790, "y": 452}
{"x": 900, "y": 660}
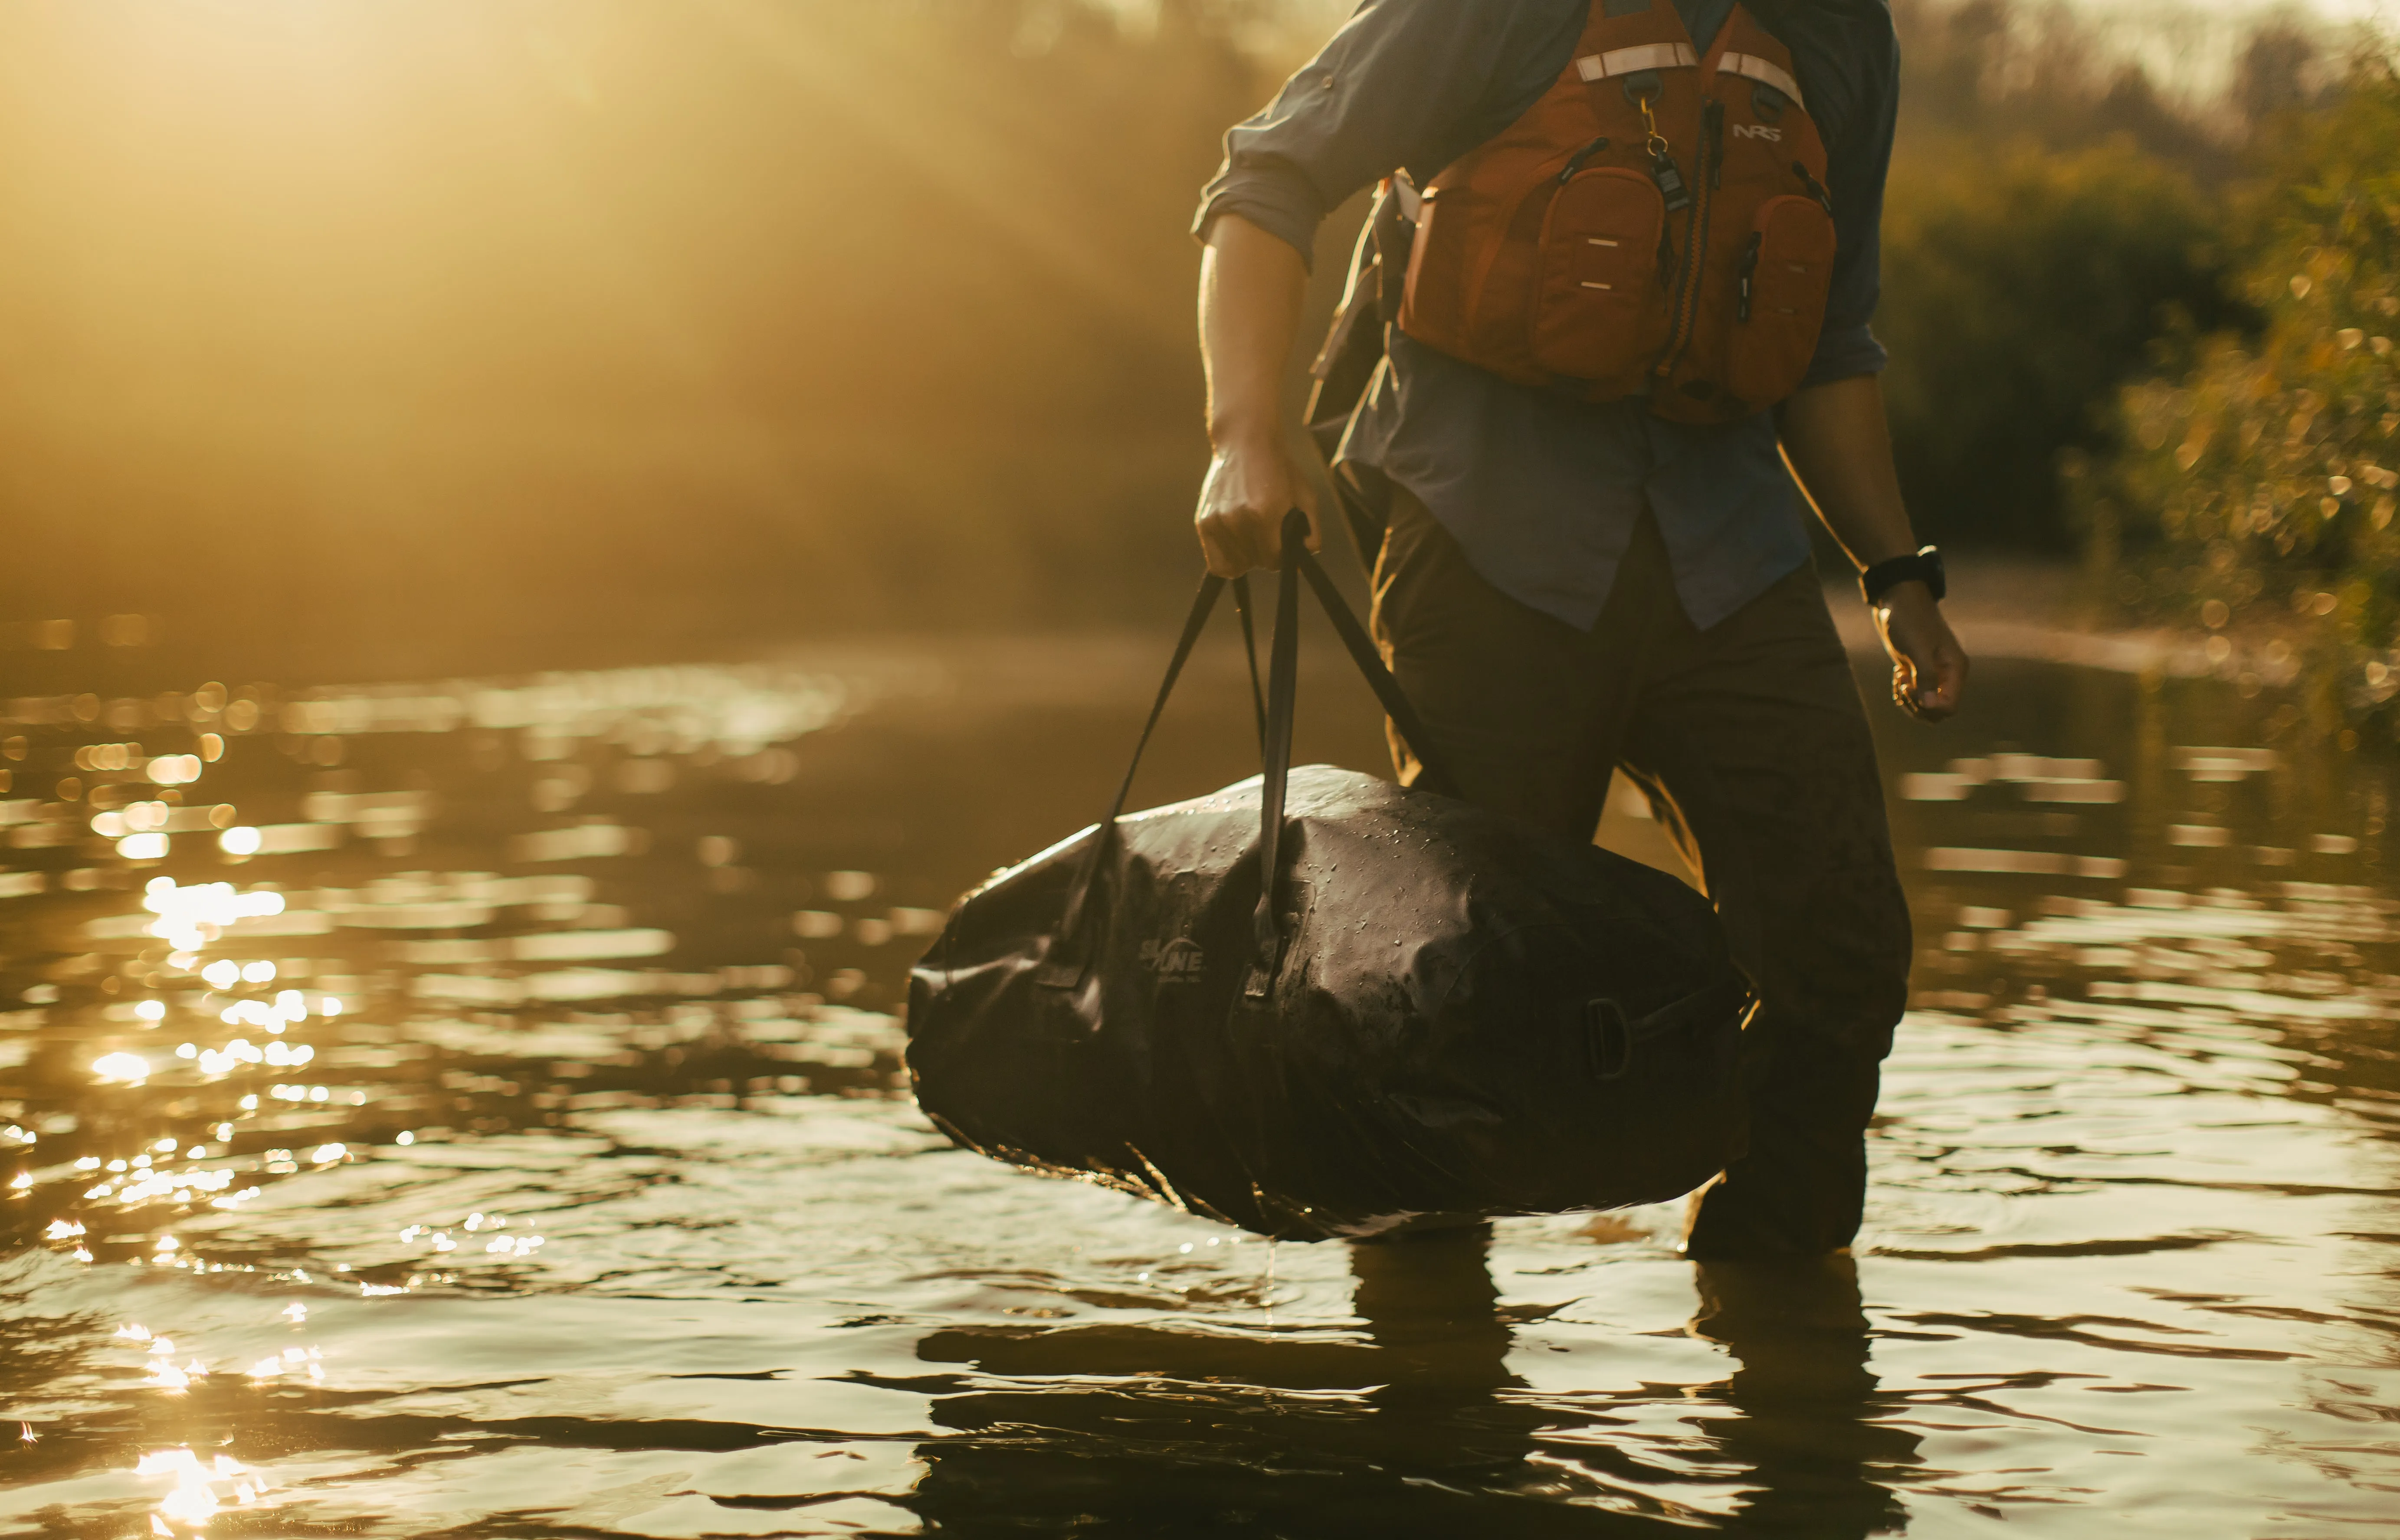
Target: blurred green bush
{"x": 2023, "y": 288}
{"x": 2255, "y": 494}
{"x": 2053, "y": 223}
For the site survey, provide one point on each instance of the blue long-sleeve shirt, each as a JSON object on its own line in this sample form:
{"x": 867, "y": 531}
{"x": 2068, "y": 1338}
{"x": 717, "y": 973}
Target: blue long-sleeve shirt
{"x": 1543, "y": 493}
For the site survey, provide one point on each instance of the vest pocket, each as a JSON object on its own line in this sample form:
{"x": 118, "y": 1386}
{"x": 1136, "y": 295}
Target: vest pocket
{"x": 1600, "y": 311}
{"x": 1779, "y": 298}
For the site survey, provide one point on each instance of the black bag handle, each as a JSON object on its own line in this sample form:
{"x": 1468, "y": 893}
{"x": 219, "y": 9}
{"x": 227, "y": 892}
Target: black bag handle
{"x": 1065, "y": 960}
{"x": 1068, "y": 958}
{"x": 1361, "y": 647}
{"x": 1283, "y": 690}
{"x": 1250, "y": 651}
{"x": 1282, "y": 707}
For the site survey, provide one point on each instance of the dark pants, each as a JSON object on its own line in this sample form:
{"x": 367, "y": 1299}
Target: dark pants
{"x": 1750, "y": 742}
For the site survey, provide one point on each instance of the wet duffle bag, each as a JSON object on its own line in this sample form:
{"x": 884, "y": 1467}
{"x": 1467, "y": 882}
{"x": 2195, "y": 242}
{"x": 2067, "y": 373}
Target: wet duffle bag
{"x": 1437, "y": 1010}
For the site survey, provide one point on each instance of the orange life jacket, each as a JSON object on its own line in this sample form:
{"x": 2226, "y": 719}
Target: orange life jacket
{"x": 1655, "y": 226}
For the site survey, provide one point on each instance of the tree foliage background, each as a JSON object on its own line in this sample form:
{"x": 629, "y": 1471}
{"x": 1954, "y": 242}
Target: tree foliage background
{"x": 2254, "y": 496}
{"x": 479, "y": 334}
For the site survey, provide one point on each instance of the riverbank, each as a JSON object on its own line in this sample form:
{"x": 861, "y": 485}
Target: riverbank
{"x": 2032, "y": 609}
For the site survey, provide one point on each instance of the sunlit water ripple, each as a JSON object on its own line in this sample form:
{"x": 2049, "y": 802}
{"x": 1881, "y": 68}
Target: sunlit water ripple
{"x": 564, "y": 1181}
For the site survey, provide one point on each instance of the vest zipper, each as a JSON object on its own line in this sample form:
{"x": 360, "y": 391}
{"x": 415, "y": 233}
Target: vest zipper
{"x": 1749, "y": 272}
{"x": 1696, "y": 243}
{"x": 1575, "y": 161}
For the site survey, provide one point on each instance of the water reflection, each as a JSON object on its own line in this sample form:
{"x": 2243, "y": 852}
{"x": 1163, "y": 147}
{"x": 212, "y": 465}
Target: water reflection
{"x": 1413, "y": 1429}
{"x": 481, "y": 1116}
{"x": 1811, "y": 1424}
{"x": 1166, "y": 1431}
{"x": 1415, "y": 1423}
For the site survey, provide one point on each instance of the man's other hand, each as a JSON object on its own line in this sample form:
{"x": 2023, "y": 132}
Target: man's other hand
{"x": 1928, "y": 667}
{"x": 1251, "y": 485}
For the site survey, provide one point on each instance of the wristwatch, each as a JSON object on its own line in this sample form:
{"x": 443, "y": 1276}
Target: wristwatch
{"x": 1923, "y": 565}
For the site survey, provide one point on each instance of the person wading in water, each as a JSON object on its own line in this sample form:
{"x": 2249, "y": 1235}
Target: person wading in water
{"x": 1644, "y": 257}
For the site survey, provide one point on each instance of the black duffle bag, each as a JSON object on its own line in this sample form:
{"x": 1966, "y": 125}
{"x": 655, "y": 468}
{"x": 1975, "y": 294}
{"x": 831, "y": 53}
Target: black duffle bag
{"x": 1443, "y": 1013}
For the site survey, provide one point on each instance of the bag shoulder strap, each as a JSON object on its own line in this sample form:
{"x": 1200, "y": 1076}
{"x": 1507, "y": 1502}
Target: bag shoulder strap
{"x": 1394, "y": 700}
{"x": 1069, "y": 954}
{"x": 1282, "y": 706}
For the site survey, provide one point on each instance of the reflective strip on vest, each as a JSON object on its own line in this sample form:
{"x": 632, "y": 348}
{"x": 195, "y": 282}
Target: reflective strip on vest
{"x": 1649, "y": 56}
{"x": 1760, "y": 69}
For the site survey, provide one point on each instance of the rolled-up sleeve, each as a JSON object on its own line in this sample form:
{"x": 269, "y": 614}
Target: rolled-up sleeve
{"x": 1405, "y": 83}
{"x": 1857, "y": 160}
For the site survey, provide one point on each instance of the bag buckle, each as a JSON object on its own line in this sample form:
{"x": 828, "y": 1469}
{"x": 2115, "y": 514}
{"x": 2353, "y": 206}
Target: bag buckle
{"x": 1608, "y": 1039}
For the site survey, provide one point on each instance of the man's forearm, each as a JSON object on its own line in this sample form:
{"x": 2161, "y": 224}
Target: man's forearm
{"x": 1253, "y": 286}
{"x": 1840, "y": 445}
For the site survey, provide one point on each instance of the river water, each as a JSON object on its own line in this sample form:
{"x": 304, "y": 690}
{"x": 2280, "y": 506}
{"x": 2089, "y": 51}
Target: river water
{"x": 513, "y": 1143}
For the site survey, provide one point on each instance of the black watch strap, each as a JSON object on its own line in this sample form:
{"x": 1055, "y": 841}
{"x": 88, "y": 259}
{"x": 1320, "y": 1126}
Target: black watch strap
{"x": 1922, "y": 565}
